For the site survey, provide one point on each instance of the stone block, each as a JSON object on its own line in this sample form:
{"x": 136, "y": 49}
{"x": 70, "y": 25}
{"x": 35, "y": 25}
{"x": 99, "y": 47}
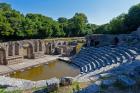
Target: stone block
{"x": 40, "y": 83}
{"x": 65, "y": 81}
{"x": 52, "y": 84}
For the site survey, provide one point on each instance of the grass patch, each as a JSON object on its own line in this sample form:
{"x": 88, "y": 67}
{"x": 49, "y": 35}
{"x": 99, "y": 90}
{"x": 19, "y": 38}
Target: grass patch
{"x": 65, "y": 89}
{"x": 2, "y": 90}
{"x": 76, "y": 86}
{"x": 15, "y": 91}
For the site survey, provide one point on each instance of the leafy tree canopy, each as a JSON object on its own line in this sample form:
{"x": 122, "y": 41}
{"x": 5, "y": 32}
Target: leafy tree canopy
{"x": 14, "y": 25}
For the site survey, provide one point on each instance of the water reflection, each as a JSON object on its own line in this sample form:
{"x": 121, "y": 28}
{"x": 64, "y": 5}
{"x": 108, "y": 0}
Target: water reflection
{"x": 54, "y": 69}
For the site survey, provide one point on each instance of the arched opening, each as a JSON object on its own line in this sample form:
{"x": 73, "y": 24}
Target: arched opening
{"x": 115, "y": 41}
{"x": 40, "y": 46}
{"x": 2, "y": 57}
{"x": 92, "y": 42}
{"x": 64, "y": 43}
{"x": 96, "y": 43}
{"x": 16, "y": 49}
{"x": 59, "y": 43}
{"x": 10, "y": 50}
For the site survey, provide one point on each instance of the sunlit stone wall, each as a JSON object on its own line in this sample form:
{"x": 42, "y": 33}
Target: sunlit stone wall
{"x": 15, "y": 51}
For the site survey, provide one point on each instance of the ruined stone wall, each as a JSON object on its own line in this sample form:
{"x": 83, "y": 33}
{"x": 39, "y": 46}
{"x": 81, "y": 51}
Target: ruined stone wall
{"x": 14, "y": 52}
{"x": 98, "y": 40}
{"x": 10, "y": 53}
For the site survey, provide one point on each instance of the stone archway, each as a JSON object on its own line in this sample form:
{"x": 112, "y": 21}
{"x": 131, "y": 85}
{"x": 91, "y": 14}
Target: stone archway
{"x": 91, "y": 42}
{"x": 115, "y": 41}
{"x": 2, "y": 57}
{"x": 96, "y": 43}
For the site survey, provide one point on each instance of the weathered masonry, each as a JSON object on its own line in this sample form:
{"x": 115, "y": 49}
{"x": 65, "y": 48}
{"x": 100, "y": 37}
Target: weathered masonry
{"x": 16, "y": 51}
{"x": 102, "y": 52}
{"x": 98, "y": 40}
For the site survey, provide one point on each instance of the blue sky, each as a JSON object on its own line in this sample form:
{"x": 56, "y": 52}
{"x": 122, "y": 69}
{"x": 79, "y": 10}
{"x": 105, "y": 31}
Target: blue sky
{"x": 97, "y": 11}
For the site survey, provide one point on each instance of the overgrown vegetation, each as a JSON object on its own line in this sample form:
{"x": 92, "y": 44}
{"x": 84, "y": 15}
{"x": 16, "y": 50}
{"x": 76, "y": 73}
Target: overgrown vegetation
{"x": 14, "y": 25}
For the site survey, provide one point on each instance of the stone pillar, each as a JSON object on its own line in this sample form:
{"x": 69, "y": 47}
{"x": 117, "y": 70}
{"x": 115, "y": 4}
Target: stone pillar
{"x": 6, "y": 51}
{"x": 14, "y": 50}
{"x": 10, "y": 49}
{"x": 36, "y": 48}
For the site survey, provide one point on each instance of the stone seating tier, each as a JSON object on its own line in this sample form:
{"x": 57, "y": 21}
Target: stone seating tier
{"x": 90, "y": 58}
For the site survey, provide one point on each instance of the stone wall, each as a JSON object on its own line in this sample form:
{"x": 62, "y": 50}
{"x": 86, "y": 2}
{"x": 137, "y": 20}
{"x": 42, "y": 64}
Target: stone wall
{"x": 11, "y": 52}
{"x": 14, "y": 52}
{"x": 12, "y": 84}
{"x": 98, "y": 40}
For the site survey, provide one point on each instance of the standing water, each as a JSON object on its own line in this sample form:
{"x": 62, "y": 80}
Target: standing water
{"x": 46, "y": 71}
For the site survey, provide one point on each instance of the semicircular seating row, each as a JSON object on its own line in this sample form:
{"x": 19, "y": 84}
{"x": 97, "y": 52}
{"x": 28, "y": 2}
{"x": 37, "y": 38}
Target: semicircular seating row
{"x": 90, "y": 59}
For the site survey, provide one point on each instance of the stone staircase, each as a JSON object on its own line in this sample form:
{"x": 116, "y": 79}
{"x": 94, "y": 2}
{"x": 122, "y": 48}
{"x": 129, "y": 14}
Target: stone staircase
{"x": 90, "y": 59}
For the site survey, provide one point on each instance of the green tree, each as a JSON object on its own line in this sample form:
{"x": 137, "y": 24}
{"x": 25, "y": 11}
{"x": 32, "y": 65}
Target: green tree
{"x": 5, "y": 26}
{"x": 116, "y": 25}
{"x": 90, "y": 29}
{"x": 132, "y": 21}
{"x": 14, "y": 25}
{"x": 77, "y": 25}
{"x": 103, "y": 29}
{"x": 42, "y": 25}
{"x": 5, "y": 7}
{"x": 63, "y": 25}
